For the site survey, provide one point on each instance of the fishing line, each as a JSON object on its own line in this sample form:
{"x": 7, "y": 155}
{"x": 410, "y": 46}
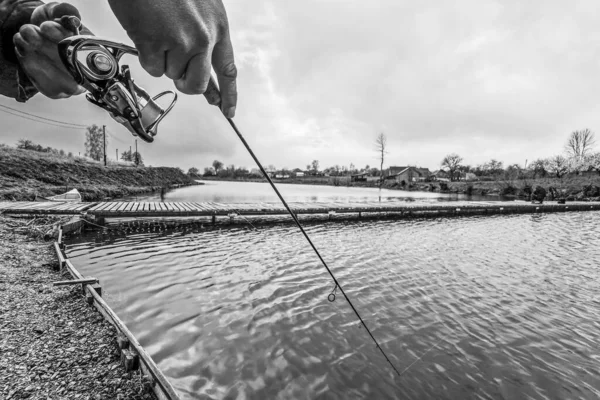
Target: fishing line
{"x": 337, "y": 285}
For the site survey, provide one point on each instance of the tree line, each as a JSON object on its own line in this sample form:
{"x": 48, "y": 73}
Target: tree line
{"x": 577, "y": 156}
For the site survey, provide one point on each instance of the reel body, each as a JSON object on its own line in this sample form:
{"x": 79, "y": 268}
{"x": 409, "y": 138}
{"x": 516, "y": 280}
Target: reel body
{"x": 94, "y": 64}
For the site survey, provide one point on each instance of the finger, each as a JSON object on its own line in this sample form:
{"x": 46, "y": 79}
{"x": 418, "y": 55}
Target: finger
{"x": 43, "y": 13}
{"x": 196, "y": 75}
{"x": 20, "y": 45}
{"x": 224, "y": 65}
{"x": 176, "y": 62}
{"x": 31, "y": 34}
{"x": 152, "y": 61}
{"x": 54, "y": 32}
{"x": 62, "y": 9}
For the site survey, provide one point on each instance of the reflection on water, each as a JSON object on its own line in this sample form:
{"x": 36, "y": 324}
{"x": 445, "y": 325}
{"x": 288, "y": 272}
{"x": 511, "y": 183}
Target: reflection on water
{"x": 252, "y": 192}
{"x": 514, "y": 302}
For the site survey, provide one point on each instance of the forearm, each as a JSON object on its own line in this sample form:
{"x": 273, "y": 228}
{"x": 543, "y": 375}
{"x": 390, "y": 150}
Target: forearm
{"x": 42, "y": 62}
{"x": 13, "y": 81}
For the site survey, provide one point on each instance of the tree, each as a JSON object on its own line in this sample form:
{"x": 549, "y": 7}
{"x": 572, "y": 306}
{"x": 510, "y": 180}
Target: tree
{"x": 451, "y": 162}
{"x": 380, "y": 148}
{"x": 558, "y": 165}
{"x": 209, "y": 171}
{"x": 315, "y": 166}
{"x": 539, "y": 168}
{"x": 193, "y": 171}
{"x": 127, "y": 155}
{"x": 94, "y": 142}
{"x": 217, "y": 165}
{"x": 592, "y": 162}
{"x": 25, "y": 144}
{"x": 138, "y": 160}
{"x": 580, "y": 143}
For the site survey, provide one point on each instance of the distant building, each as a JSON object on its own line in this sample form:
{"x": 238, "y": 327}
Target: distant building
{"x": 408, "y": 175}
{"x": 299, "y": 174}
{"x": 361, "y": 177}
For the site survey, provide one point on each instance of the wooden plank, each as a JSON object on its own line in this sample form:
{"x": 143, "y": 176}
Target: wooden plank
{"x": 164, "y": 390}
{"x": 123, "y": 206}
{"x": 102, "y": 206}
{"x": 169, "y": 207}
{"x": 90, "y": 280}
{"x": 96, "y": 207}
{"x": 184, "y": 207}
{"x": 115, "y": 207}
{"x": 59, "y": 254}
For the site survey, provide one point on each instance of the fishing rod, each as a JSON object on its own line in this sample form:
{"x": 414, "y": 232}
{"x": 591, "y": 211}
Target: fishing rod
{"x": 113, "y": 89}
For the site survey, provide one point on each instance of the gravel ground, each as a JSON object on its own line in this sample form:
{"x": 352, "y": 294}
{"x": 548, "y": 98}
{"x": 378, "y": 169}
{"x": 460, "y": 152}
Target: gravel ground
{"x": 52, "y": 344}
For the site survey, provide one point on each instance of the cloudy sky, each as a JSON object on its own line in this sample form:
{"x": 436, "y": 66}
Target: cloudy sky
{"x": 319, "y": 79}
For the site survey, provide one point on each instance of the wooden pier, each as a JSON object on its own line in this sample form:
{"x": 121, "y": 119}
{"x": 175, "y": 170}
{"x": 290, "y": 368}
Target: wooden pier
{"x": 119, "y": 209}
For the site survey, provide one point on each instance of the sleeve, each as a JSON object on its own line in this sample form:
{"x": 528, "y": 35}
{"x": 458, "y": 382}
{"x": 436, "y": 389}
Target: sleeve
{"x": 13, "y": 80}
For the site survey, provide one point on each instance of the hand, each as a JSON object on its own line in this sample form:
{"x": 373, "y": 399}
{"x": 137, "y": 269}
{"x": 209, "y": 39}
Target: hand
{"x": 182, "y": 39}
{"x": 37, "y": 51}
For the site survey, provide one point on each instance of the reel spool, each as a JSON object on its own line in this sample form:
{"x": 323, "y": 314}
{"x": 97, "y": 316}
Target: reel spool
{"x": 94, "y": 64}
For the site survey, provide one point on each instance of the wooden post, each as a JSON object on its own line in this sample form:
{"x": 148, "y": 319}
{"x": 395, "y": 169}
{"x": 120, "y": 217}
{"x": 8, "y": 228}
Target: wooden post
{"x": 214, "y": 219}
{"x": 59, "y": 254}
{"x": 129, "y": 360}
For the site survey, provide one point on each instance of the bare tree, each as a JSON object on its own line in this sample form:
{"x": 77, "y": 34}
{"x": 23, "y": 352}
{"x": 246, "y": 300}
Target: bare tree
{"x": 580, "y": 143}
{"x": 558, "y": 165}
{"x": 451, "y": 162}
{"x": 380, "y": 147}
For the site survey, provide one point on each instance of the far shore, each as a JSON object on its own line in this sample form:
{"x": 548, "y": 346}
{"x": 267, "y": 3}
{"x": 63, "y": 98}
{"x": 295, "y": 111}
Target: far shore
{"x": 570, "y": 188}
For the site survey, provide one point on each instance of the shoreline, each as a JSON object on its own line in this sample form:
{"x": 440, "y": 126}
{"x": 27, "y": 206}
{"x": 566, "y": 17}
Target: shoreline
{"x": 569, "y": 188}
{"x": 54, "y": 345}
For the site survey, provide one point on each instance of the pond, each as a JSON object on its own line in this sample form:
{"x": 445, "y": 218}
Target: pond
{"x": 503, "y": 307}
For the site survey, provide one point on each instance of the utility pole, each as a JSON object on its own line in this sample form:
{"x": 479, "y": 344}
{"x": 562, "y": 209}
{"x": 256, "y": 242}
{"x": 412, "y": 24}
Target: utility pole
{"x": 104, "y": 133}
{"x": 117, "y": 154}
{"x": 136, "y": 154}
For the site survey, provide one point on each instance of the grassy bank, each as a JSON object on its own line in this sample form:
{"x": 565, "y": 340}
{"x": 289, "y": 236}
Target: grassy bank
{"x": 569, "y": 188}
{"x": 26, "y": 173}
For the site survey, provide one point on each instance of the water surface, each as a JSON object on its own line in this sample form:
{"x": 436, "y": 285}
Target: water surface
{"x": 503, "y": 307}
{"x": 252, "y": 192}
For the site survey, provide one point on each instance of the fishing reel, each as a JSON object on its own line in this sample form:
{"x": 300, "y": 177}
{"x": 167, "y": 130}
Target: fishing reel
{"x": 94, "y": 64}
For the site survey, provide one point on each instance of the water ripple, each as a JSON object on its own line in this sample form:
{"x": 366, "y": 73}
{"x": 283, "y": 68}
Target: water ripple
{"x": 514, "y": 302}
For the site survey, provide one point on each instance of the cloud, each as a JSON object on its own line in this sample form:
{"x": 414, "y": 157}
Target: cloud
{"x": 319, "y": 79}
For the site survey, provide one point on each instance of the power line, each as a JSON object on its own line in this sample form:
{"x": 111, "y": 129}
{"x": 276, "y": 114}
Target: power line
{"x": 44, "y": 118}
{"x": 42, "y": 122}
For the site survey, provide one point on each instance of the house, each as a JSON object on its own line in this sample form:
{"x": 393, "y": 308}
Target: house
{"x": 469, "y": 176}
{"x": 393, "y": 171}
{"x": 408, "y": 175}
{"x": 361, "y": 177}
{"x": 440, "y": 175}
{"x": 425, "y": 174}
{"x": 299, "y": 174}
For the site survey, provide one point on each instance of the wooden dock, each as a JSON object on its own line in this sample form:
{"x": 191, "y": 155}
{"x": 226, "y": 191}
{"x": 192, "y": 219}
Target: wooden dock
{"x": 118, "y": 209}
